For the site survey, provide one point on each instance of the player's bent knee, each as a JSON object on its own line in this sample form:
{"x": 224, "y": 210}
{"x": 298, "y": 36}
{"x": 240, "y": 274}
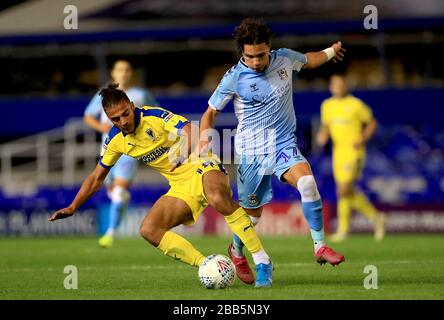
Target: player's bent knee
{"x": 308, "y": 188}
{"x": 150, "y": 233}
{"x": 119, "y": 194}
{"x": 221, "y": 202}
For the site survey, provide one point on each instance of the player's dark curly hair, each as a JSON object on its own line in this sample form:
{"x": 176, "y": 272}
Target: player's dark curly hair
{"x": 252, "y": 31}
{"x": 112, "y": 96}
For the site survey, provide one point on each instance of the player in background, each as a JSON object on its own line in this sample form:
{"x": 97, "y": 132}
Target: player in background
{"x": 153, "y": 135}
{"x": 349, "y": 122}
{"x": 261, "y": 87}
{"x": 123, "y": 173}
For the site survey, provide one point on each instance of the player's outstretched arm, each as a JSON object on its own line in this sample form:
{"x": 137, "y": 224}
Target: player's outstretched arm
{"x": 315, "y": 59}
{"x": 207, "y": 122}
{"x": 91, "y": 184}
{"x": 323, "y": 136}
{"x": 95, "y": 124}
{"x": 368, "y": 132}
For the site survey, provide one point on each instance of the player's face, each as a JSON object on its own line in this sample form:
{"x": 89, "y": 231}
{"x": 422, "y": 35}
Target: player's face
{"x": 338, "y": 87}
{"x": 122, "y": 116}
{"x": 122, "y": 73}
{"x": 256, "y": 56}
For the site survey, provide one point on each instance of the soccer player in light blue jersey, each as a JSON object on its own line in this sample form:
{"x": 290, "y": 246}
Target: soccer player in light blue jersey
{"x": 261, "y": 88}
{"x": 123, "y": 173}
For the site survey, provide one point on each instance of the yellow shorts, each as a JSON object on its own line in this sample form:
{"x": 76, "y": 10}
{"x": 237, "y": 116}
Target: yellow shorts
{"x": 347, "y": 169}
{"x": 191, "y": 191}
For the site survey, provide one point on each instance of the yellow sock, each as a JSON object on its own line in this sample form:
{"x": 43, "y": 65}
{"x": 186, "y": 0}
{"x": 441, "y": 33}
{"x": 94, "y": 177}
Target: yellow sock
{"x": 344, "y": 213}
{"x": 179, "y": 248}
{"x": 361, "y": 204}
{"x": 241, "y": 225}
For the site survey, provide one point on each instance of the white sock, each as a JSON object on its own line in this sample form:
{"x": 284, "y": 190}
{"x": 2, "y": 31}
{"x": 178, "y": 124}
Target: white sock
{"x": 110, "y": 232}
{"x": 318, "y": 244}
{"x": 261, "y": 257}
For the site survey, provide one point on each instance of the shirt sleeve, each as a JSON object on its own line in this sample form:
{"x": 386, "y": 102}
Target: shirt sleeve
{"x": 297, "y": 59}
{"x": 110, "y": 153}
{"x": 94, "y": 107}
{"x": 224, "y": 92}
{"x": 174, "y": 123}
{"x": 365, "y": 112}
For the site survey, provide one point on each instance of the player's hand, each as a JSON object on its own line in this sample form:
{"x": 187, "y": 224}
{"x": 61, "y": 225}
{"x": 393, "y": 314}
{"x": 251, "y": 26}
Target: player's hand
{"x": 61, "y": 214}
{"x": 339, "y": 52}
{"x": 321, "y": 139}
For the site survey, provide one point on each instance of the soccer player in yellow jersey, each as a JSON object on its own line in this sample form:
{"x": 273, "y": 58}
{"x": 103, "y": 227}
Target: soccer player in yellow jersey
{"x": 350, "y": 124}
{"x": 152, "y": 135}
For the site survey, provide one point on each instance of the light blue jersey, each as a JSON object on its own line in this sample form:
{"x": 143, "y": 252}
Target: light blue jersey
{"x": 263, "y": 102}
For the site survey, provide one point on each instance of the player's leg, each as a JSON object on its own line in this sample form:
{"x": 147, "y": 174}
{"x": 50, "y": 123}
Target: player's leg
{"x": 254, "y": 190}
{"x": 123, "y": 174}
{"x": 165, "y": 214}
{"x": 360, "y": 203}
{"x": 218, "y": 194}
{"x": 344, "y": 192}
{"x": 300, "y": 176}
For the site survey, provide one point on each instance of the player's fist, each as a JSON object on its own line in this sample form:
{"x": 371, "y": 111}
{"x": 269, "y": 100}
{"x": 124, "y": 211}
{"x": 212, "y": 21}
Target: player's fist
{"x": 339, "y": 52}
{"x": 61, "y": 214}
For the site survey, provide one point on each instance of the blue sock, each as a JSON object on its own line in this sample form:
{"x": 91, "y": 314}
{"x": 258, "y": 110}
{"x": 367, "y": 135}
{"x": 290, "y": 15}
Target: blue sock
{"x": 238, "y": 246}
{"x": 313, "y": 214}
{"x": 116, "y": 210}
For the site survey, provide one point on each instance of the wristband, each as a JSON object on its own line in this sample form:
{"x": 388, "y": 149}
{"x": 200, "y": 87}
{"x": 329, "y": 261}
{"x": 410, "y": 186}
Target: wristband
{"x": 330, "y": 52}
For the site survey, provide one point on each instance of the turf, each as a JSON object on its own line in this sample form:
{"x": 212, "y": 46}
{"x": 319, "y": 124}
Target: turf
{"x": 409, "y": 267}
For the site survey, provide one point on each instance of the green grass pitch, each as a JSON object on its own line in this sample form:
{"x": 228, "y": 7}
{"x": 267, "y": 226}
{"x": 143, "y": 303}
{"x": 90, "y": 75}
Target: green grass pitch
{"x": 409, "y": 267}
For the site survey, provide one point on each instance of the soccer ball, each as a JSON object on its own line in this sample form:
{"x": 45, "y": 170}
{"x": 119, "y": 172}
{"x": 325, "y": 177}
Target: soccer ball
{"x": 217, "y": 272}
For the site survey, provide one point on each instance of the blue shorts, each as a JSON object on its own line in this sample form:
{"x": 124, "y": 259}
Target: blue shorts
{"x": 124, "y": 169}
{"x": 254, "y": 174}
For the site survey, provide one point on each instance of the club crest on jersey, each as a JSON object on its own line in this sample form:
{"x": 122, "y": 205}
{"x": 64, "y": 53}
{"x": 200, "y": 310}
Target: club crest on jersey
{"x": 252, "y": 200}
{"x": 150, "y": 134}
{"x": 283, "y": 74}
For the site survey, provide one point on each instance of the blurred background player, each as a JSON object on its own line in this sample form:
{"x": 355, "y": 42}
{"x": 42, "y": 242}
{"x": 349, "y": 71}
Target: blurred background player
{"x": 123, "y": 173}
{"x": 350, "y": 124}
{"x": 261, "y": 85}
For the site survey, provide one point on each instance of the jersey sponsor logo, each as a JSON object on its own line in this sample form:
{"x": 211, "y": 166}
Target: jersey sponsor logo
{"x": 154, "y": 155}
{"x": 282, "y": 74}
{"x": 258, "y": 101}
